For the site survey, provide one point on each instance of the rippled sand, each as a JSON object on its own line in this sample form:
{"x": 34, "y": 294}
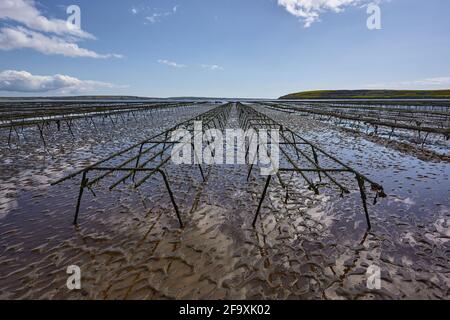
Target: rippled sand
{"x": 129, "y": 246}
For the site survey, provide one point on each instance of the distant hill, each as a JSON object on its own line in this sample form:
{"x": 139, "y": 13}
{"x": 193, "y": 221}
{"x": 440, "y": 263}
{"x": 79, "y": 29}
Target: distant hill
{"x": 370, "y": 94}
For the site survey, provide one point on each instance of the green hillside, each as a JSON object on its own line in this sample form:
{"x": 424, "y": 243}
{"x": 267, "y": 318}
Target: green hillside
{"x": 370, "y": 94}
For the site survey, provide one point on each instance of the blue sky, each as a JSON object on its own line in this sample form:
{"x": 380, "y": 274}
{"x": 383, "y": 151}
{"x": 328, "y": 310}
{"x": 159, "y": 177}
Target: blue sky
{"x": 222, "y": 48}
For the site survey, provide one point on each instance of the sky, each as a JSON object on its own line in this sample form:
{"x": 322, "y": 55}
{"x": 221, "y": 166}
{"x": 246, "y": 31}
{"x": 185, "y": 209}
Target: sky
{"x": 220, "y": 48}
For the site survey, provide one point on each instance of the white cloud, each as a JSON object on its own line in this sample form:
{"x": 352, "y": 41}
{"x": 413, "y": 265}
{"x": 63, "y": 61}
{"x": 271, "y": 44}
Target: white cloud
{"x": 35, "y": 31}
{"x": 19, "y": 37}
{"x": 433, "y": 83}
{"x": 309, "y": 10}
{"x": 154, "y": 18}
{"x": 212, "y": 67}
{"x": 23, "y": 81}
{"x": 171, "y": 63}
{"x": 158, "y": 16}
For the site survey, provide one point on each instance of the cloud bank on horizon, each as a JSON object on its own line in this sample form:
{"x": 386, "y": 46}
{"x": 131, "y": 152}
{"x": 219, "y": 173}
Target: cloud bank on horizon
{"x": 23, "y": 81}
{"x": 32, "y": 30}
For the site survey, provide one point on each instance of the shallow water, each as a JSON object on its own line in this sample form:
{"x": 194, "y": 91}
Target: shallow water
{"x": 128, "y": 244}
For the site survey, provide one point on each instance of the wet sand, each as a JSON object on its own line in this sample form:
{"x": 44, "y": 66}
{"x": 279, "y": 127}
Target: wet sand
{"x": 128, "y": 244}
